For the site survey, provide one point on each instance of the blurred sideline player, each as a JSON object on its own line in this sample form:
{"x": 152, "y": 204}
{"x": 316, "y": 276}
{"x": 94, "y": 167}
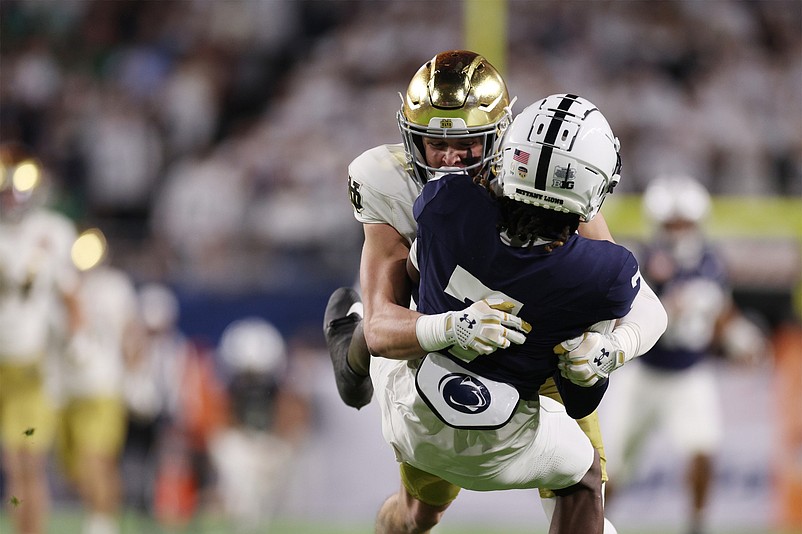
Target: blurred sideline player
{"x": 455, "y": 107}
{"x": 93, "y": 415}
{"x": 674, "y": 384}
{"x": 150, "y": 392}
{"x": 37, "y": 278}
{"x": 519, "y": 246}
{"x": 253, "y": 454}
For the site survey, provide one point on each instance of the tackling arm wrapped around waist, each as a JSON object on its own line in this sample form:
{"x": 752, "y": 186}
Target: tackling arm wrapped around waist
{"x": 639, "y": 330}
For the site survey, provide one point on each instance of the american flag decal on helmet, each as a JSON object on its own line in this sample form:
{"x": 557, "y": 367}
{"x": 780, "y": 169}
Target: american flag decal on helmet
{"x": 521, "y": 156}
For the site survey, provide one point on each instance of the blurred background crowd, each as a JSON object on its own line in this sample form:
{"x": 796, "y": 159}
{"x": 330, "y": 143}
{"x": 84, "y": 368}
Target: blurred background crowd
{"x": 211, "y": 137}
{"x": 209, "y": 141}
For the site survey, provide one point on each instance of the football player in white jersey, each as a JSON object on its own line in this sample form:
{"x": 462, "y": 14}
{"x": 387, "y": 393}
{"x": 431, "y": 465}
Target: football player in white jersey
{"x": 37, "y": 277}
{"x": 461, "y": 102}
{"x": 92, "y": 418}
{"x": 454, "y": 109}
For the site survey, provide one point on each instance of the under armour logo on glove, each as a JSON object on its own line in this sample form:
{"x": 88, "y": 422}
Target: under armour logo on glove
{"x": 604, "y": 355}
{"x": 579, "y": 366}
{"x": 465, "y": 319}
{"x": 483, "y": 327}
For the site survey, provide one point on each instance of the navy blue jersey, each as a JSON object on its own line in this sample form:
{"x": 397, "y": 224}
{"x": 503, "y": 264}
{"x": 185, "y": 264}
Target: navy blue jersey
{"x": 462, "y": 259}
{"x": 671, "y": 352}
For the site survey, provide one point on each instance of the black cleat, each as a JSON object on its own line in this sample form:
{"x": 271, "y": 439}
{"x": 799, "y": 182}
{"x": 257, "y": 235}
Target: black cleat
{"x": 338, "y": 328}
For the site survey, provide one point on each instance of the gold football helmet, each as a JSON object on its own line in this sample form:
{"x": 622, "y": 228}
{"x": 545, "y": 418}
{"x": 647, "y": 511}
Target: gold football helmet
{"x": 456, "y": 94}
{"x": 21, "y": 177}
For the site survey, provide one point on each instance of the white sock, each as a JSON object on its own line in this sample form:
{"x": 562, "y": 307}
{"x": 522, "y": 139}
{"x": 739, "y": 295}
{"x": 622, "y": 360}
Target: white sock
{"x": 101, "y": 524}
{"x": 549, "y": 505}
{"x": 356, "y": 308}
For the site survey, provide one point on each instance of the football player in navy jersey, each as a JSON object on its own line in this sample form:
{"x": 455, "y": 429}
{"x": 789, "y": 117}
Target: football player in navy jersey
{"x": 674, "y": 384}
{"x": 464, "y": 419}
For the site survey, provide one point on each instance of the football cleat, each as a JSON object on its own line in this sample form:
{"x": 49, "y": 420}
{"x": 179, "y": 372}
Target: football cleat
{"x": 338, "y": 328}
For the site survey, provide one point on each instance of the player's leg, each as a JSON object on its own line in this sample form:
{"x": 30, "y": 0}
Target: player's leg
{"x": 27, "y": 431}
{"x": 99, "y": 433}
{"x": 590, "y": 426}
{"x": 639, "y": 411}
{"x": 700, "y": 477}
{"x": 342, "y": 327}
{"x": 579, "y": 508}
{"x": 419, "y": 504}
{"x": 549, "y": 503}
{"x": 695, "y": 425}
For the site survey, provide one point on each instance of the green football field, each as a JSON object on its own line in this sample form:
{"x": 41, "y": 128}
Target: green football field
{"x": 68, "y": 521}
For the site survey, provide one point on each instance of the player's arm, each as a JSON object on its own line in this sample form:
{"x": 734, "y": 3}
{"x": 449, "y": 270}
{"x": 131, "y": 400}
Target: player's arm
{"x": 394, "y": 331}
{"x": 740, "y": 338}
{"x": 481, "y": 328}
{"x": 597, "y": 229}
{"x": 592, "y": 356}
{"x": 389, "y": 324}
{"x": 580, "y": 401}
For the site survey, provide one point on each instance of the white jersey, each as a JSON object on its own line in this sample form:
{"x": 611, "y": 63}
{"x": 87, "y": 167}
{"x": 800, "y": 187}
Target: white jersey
{"x": 35, "y": 268}
{"x": 382, "y": 191}
{"x": 540, "y": 447}
{"x": 94, "y": 364}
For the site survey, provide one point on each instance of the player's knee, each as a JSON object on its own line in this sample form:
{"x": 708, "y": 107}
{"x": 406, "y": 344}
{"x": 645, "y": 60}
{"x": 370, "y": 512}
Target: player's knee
{"x": 403, "y": 513}
{"x": 590, "y": 483}
{"x": 423, "y": 517}
{"x": 423, "y": 520}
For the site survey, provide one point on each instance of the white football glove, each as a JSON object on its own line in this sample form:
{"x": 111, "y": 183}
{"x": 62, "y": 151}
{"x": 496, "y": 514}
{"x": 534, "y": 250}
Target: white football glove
{"x": 586, "y": 359}
{"x": 481, "y": 328}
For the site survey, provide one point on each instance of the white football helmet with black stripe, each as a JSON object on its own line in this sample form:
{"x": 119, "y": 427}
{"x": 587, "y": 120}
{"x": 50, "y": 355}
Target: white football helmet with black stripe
{"x": 559, "y": 153}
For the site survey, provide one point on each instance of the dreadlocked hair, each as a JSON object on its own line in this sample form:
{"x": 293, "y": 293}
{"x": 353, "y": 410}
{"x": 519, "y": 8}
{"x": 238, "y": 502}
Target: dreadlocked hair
{"x": 528, "y": 223}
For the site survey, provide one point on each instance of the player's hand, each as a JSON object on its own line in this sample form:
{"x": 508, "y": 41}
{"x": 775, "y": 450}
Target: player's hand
{"x": 483, "y": 327}
{"x": 586, "y": 359}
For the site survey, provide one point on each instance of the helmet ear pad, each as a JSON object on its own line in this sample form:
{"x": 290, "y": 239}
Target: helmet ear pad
{"x": 616, "y": 177}
{"x": 419, "y": 155}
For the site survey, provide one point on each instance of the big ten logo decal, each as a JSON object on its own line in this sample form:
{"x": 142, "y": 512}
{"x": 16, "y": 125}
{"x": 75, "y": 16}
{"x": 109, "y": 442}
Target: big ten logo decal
{"x": 564, "y": 177}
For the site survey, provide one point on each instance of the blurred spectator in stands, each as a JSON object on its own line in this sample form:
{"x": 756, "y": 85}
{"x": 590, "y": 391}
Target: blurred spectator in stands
{"x": 199, "y": 213}
{"x": 123, "y": 152}
{"x": 191, "y": 102}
